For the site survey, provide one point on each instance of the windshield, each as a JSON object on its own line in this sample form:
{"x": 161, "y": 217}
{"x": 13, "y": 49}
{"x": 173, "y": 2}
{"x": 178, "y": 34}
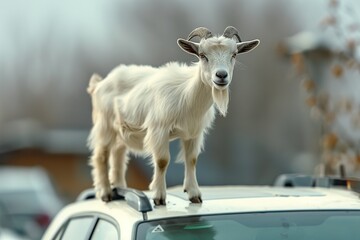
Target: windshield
{"x": 304, "y": 225}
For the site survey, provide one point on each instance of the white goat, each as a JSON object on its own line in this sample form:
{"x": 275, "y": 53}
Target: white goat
{"x": 142, "y": 108}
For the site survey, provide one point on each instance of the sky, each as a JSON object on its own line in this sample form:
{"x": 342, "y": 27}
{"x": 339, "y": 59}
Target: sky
{"x": 49, "y": 49}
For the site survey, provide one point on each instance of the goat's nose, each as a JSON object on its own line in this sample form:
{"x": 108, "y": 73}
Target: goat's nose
{"x": 221, "y": 74}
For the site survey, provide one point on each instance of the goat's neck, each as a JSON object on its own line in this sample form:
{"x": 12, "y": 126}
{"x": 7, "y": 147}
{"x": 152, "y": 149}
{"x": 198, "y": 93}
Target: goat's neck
{"x": 199, "y": 93}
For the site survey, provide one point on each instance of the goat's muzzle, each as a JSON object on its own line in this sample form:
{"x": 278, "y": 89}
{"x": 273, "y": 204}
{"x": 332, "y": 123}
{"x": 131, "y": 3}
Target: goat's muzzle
{"x": 221, "y": 80}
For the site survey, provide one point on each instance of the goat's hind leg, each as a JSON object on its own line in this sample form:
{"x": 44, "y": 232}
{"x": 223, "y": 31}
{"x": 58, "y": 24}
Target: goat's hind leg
{"x": 118, "y": 157}
{"x": 118, "y": 165}
{"x": 99, "y": 162}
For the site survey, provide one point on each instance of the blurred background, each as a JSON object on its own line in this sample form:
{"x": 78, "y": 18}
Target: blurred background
{"x": 294, "y": 104}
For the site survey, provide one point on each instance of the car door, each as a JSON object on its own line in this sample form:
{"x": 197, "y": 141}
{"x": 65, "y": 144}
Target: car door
{"x": 89, "y": 227}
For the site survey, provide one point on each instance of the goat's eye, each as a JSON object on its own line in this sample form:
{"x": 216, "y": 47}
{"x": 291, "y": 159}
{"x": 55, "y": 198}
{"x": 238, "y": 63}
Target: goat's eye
{"x": 234, "y": 55}
{"x": 203, "y": 56}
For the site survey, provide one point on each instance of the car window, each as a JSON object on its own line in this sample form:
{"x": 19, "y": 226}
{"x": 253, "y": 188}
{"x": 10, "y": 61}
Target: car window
{"x": 105, "y": 230}
{"x": 296, "y": 225}
{"x": 59, "y": 234}
{"x": 77, "y": 228}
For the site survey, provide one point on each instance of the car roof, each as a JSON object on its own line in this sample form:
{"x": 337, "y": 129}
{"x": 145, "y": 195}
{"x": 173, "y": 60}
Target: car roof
{"x": 232, "y": 199}
{"x": 242, "y": 199}
{"x": 126, "y": 213}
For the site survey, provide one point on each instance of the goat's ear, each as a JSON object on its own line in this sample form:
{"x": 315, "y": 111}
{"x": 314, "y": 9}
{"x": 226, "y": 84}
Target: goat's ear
{"x": 247, "y": 46}
{"x": 188, "y": 46}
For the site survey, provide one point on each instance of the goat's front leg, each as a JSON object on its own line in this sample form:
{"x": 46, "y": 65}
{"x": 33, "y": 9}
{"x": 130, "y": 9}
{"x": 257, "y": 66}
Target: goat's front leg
{"x": 191, "y": 149}
{"x": 157, "y": 141}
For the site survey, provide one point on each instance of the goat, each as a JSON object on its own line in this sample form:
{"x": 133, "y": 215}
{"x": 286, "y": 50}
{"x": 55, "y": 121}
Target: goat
{"x": 141, "y": 109}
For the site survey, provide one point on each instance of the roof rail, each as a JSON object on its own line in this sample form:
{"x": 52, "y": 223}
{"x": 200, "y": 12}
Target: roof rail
{"x": 134, "y": 198}
{"x": 300, "y": 180}
{"x": 294, "y": 180}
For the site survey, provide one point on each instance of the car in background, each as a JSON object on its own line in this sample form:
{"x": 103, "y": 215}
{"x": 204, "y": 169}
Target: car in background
{"x": 297, "y": 212}
{"x": 29, "y": 200}
{"x": 5, "y": 232}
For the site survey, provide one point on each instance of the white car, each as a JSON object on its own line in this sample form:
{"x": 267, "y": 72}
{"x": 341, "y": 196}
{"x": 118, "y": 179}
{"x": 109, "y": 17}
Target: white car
{"x": 28, "y": 200}
{"x": 227, "y": 213}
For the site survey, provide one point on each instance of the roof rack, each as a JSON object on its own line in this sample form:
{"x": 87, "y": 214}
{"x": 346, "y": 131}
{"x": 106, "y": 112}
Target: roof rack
{"x": 300, "y": 180}
{"x": 134, "y": 198}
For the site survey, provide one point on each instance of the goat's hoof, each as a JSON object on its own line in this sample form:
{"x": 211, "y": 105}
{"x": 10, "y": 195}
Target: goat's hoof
{"x": 159, "y": 202}
{"x": 104, "y": 194}
{"x": 196, "y": 200}
{"x": 106, "y": 197}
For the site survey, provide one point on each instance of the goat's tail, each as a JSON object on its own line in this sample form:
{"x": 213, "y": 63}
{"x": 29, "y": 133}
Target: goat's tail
{"x": 95, "y": 78}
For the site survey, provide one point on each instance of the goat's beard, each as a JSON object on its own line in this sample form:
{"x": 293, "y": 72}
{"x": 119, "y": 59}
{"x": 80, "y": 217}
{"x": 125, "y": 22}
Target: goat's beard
{"x": 221, "y": 99}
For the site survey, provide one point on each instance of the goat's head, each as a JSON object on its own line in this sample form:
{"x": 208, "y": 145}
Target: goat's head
{"x": 217, "y": 54}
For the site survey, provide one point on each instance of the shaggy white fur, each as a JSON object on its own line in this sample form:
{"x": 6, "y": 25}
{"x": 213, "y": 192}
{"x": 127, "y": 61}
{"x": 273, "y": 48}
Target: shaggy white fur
{"x": 141, "y": 108}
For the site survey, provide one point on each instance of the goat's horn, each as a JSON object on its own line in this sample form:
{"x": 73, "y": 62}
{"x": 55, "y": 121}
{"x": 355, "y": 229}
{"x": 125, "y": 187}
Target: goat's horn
{"x": 200, "y": 32}
{"x": 230, "y": 32}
